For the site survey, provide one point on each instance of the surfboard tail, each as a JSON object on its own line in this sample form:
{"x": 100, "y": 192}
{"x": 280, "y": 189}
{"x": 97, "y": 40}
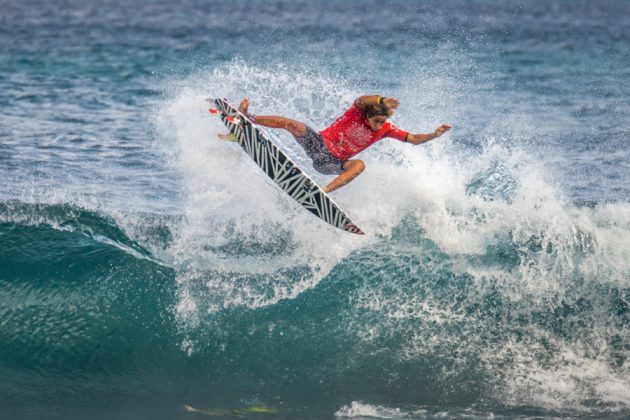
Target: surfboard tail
{"x": 217, "y": 113}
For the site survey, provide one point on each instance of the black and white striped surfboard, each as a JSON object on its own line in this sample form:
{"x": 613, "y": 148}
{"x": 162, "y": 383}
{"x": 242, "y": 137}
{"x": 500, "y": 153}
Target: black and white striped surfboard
{"x": 281, "y": 169}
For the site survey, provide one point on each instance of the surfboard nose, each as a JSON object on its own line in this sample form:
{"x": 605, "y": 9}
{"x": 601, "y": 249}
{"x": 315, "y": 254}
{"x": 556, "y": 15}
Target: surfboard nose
{"x": 352, "y": 228}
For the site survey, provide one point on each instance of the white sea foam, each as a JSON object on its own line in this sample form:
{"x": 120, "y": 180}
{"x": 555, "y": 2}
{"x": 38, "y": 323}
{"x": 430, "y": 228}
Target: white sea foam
{"x": 242, "y": 239}
{"x": 569, "y": 376}
{"x": 361, "y": 410}
{"x": 244, "y": 243}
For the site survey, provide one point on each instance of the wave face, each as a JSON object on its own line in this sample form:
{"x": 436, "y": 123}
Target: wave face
{"x": 148, "y": 270}
{"x": 535, "y": 317}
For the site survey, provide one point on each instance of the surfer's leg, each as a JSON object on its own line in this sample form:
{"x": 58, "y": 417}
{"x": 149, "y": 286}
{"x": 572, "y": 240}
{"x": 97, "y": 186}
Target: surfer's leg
{"x": 351, "y": 170}
{"x": 294, "y": 127}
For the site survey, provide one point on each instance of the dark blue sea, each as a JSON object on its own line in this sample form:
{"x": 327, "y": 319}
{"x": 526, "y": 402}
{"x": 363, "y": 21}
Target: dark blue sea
{"x": 149, "y": 270}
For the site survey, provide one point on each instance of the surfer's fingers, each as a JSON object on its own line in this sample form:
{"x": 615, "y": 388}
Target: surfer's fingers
{"x": 392, "y": 103}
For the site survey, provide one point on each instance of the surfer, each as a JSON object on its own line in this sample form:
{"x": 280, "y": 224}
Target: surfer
{"x": 362, "y": 125}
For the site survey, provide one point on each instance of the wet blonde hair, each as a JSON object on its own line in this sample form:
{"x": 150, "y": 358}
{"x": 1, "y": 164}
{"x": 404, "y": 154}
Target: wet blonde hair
{"x": 374, "y": 110}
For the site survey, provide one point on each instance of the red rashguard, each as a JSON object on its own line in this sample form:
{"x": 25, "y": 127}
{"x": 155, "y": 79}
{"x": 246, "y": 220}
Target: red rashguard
{"x": 351, "y": 133}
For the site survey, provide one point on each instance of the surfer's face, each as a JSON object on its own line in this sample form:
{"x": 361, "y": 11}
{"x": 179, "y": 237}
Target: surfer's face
{"x": 376, "y": 122}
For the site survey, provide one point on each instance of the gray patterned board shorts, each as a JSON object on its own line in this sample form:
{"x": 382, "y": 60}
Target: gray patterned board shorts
{"x": 323, "y": 161}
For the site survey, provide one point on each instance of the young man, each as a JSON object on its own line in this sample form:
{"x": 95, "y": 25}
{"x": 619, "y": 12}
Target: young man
{"x": 362, "y": 125}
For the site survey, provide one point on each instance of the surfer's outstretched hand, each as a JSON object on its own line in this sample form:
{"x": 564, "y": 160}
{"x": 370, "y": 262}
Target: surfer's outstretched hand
{"x": 442, "y": 129}
{"x": 391, "y": 103}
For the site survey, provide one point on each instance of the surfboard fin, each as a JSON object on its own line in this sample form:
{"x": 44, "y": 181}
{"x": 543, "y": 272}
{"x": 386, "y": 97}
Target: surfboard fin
{"x": 217, "y": 113}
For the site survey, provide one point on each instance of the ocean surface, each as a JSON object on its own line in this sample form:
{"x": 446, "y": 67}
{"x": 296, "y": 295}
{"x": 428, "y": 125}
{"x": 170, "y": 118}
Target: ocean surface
{"x": 150, "y": 271}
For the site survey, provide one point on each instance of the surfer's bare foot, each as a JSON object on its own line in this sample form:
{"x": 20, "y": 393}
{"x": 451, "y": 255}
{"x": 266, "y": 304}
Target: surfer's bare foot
{"x": 243, "y": 107}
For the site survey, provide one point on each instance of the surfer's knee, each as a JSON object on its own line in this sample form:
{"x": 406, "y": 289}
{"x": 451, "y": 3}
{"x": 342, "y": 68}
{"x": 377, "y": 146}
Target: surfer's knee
{"x": 356, "y": 166}
{"x": 296, "y": 128}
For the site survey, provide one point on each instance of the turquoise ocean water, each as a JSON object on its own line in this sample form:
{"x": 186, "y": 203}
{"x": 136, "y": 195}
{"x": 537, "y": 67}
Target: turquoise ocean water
{"x": 146, "y": 267}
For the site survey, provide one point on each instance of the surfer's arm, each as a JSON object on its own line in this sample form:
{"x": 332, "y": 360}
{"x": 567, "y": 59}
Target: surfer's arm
{"x": 423, "y": 138}
{"x": 363, "y": 101}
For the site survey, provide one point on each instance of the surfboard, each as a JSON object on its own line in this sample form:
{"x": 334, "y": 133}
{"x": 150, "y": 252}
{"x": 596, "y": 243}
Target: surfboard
{"x": 281, "y": 169}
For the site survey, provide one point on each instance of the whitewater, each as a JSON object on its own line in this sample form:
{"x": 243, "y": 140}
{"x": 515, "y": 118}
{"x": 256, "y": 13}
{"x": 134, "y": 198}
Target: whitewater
{"x": 146, "y": 266}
